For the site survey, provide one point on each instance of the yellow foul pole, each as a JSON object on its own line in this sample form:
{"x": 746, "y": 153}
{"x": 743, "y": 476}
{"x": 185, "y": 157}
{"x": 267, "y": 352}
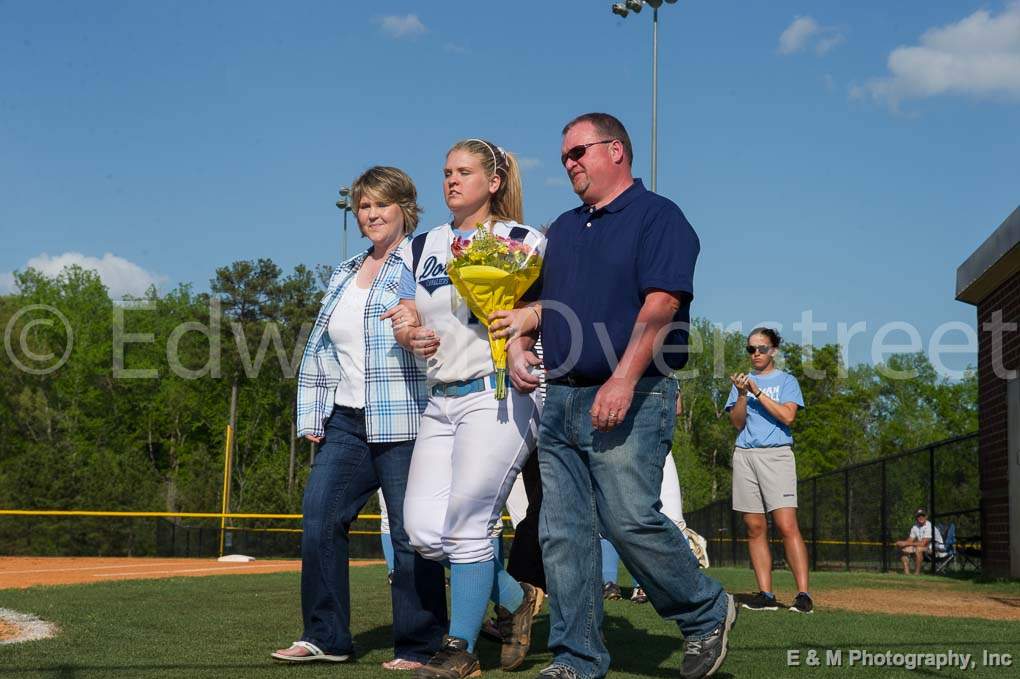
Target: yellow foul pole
{"x": 226, "y": 484}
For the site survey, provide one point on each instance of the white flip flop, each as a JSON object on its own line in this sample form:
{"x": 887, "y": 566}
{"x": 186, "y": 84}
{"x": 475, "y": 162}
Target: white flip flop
{"x": 401, "y": 665}
{"x": 316, "y": 654}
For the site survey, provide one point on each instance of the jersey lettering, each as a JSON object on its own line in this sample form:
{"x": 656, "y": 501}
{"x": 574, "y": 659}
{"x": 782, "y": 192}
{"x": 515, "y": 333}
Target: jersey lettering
{"x": 433, "y": 275}
{"x": 772, "y": 392}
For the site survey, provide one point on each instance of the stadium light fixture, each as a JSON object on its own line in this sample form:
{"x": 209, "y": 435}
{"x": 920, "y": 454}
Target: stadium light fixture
{"x": 344, "y": 205}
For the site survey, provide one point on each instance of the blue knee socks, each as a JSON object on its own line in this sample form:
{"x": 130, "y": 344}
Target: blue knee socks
{"x": 506, "y": 591}
{"x": 470, "y": 585}
{"x": 387, "y": 550}
{"x": 610, "y": 562}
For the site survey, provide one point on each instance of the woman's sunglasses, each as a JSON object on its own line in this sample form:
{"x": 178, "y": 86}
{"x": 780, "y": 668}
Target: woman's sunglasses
{"x": 575, "y": 153}
{"x": 761, "y": 349}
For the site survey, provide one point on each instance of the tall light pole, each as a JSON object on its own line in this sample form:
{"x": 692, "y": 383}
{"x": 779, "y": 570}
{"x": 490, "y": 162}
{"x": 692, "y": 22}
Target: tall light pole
{"x": 344, "y": 205}
{"x": 622, "y": 9}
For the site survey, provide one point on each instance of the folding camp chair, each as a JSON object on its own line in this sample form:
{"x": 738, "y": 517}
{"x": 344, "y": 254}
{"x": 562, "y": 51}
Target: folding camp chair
{"x": 968, "y": 553}
{"x": 946, "y": 556}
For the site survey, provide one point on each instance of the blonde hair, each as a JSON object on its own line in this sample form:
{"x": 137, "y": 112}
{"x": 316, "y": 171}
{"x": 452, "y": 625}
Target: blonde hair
{"x": 391, "y": 185}
{"x": 507, "y": 204}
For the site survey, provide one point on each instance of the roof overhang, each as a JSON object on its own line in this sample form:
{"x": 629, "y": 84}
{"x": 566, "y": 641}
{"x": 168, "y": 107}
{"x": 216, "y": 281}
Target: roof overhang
{"x": 992, "y": 264}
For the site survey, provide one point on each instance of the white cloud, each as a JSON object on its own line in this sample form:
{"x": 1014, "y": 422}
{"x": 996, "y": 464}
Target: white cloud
{"x": 119, "y": 275}
{"x": 978, "y": 56}
{"x": 797, "y": 34}
{"x": 405, "y": 26}
{"x": 826, "y": 44}
{"x": 528, "y": 162}
{"x": 804, "y": 31}
{"x": 556, "y": 182}
{"x": 830, "y": 82}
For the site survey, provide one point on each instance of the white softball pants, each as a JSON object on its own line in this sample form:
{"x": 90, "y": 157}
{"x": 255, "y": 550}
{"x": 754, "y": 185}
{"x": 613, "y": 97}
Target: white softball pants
{"x": 669, "y": 494}
{"x": 469, "y": 451}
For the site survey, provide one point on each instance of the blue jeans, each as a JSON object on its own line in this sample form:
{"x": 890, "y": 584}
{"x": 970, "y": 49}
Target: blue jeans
{"x": 345, "y": 473}
{"x": 611, "y": 481}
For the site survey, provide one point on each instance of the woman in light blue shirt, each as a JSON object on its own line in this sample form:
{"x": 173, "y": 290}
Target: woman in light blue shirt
{"x": 762, "y": 406}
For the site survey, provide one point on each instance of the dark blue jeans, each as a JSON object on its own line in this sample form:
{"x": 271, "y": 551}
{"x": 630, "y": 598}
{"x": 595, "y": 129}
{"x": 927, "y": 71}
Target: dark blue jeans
{"x": 345, "y": 473}
{"x": 610, "y": 481}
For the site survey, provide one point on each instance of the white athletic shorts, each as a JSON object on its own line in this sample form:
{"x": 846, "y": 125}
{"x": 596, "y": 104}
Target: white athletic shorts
{"x": 764, "y": 479}
{"x": 469, "y": 451}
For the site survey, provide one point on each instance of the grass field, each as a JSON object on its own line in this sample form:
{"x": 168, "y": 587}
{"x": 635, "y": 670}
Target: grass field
{"x": 226, "y": 626}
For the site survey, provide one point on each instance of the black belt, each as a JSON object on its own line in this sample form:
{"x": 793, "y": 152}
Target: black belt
{"x": 575, "y": 380}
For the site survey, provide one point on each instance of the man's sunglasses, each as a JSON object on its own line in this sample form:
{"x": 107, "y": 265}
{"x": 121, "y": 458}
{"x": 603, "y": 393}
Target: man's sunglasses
{"x": 575, "y": 153}
{"x": 761, "y": 349}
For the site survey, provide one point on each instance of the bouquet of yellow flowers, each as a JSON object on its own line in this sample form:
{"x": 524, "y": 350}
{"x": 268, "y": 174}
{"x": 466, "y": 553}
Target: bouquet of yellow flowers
{"x": 492, "y": 273}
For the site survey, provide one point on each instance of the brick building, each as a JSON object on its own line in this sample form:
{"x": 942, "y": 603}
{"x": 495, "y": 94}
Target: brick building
{"x": 990, "y": 280}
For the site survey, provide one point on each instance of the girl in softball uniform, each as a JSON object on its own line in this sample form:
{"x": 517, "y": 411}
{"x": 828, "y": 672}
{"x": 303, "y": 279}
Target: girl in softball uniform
{"x": 470, "y": 446}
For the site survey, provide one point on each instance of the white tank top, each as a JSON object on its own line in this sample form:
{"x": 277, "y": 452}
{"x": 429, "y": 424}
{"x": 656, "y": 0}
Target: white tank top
{"x": 347, "y": 332}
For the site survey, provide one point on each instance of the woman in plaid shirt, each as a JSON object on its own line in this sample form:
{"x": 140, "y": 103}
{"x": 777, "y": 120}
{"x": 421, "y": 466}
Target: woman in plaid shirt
{"x": 360, "y": 397}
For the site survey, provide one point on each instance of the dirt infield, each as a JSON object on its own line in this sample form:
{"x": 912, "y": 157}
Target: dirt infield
{"x": 942, "y": 604}
{"x": 7, "y": 630}
{"x": 21, "y": 572}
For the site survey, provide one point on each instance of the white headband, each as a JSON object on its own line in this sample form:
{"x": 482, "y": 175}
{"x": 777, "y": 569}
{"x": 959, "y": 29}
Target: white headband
{"x": 495, "y": 163}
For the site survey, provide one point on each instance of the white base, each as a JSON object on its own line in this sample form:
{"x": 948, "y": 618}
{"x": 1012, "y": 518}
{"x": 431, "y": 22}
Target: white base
{"x": 236, "y": 558}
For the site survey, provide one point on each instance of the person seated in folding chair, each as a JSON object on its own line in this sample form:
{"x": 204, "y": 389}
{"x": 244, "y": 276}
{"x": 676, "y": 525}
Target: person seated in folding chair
{"x": 918, "y": 543}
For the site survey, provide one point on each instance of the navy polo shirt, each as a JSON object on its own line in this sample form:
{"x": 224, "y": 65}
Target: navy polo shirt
{"x": 600, "y": 264}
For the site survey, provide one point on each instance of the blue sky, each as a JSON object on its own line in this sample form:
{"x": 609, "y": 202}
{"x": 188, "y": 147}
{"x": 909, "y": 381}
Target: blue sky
{"x": 833, "y": 157}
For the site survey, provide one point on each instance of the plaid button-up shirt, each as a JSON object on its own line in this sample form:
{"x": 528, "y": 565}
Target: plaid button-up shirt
{"x": 395, "y": 390}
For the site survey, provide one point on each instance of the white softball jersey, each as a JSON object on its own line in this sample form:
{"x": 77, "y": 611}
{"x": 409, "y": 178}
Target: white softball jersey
{"x": 470, "y": 448}
{"x": 463, "y": 352}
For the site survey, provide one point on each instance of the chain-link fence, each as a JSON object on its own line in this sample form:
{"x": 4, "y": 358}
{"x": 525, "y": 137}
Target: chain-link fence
{"x": 183, "y": 540}
{"x": 851, "y": 518}
{"x": 180, "y": 540}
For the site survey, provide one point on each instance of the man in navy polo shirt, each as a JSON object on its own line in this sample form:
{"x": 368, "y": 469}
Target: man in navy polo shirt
{"x": 617, "y": 284}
